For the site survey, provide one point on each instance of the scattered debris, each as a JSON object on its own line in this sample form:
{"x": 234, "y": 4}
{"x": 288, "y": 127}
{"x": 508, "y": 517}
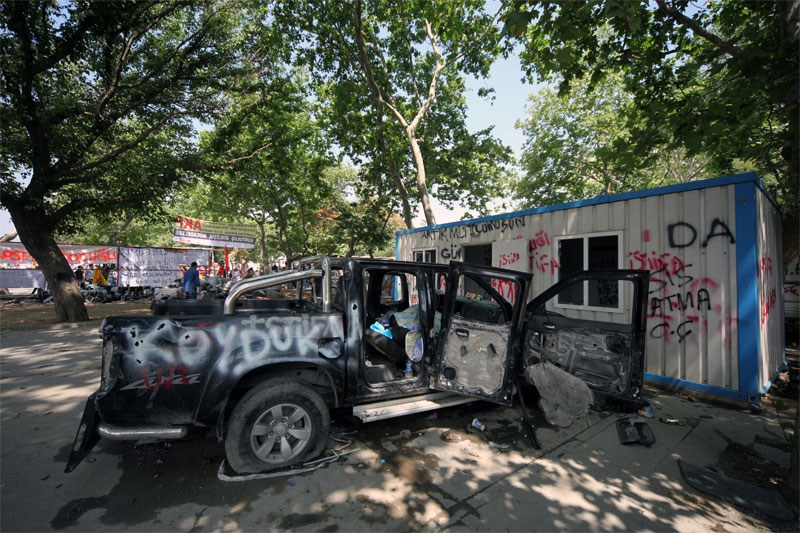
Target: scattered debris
{"x": 451, "y": 436}
{"x": 500, "y": 447}
{"x": 671, "y": 421}
{"x": 646, "y": 412}
{"x": 562, "y": 396}
{"x": 406, "y": 433}
{"x": 307, "y": 467}
{"x": 635, "y": 431}
{"x": 477, "y": 424}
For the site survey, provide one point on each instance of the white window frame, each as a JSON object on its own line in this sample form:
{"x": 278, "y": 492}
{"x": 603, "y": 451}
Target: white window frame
{"x": 422, "y": 251}
{"x": 620, "y": 285}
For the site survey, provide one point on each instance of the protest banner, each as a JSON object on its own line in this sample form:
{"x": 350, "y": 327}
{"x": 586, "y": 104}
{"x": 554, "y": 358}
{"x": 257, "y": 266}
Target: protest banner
{"x": 14, "y": 255}
{"x": 206, "y": 233}
{"x": 156, "y": 267}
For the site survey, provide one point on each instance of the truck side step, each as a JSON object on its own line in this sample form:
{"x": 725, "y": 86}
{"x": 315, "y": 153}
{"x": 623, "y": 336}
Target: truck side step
{"x": 370, "y": 412}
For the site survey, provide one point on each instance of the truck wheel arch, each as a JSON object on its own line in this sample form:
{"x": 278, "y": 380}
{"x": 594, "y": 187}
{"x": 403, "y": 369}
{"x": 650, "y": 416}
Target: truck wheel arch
{"x": 313, "y": 376}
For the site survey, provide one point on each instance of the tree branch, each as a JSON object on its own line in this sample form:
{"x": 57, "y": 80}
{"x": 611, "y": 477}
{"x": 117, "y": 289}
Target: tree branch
{"x": 731, "y": 49}
{"x": 373, "y": 85}
{"x": 481, "y": 37}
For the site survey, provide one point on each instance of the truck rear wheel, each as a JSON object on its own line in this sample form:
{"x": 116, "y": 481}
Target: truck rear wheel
{"x": 276, "y": 424}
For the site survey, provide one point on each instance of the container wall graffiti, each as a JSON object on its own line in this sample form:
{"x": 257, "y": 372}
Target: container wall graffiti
{"x": 770, "y": 280}
{"x": 687, "y": 239}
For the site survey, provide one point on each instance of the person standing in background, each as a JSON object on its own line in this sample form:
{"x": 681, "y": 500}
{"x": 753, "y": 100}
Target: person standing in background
{"x": 97, "y": 277}
{"x": 191, "y": 280}
{"x": 79, "y": 275}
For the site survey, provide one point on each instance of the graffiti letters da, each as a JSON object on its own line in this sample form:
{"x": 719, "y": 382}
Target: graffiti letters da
{"x": 680, "y": 300}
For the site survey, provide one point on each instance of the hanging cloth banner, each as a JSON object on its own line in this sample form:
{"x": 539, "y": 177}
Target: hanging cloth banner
{"x": 194, "y": 231}
{"x": 15, "y": 255}
{"x": 157, "y": 267}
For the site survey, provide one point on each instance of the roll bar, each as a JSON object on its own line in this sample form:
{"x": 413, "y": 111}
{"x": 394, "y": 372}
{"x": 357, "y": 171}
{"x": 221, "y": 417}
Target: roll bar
{"x": 270, "y": 280}
{"x": 325, "y": 265}
{"x": 299, "y": 273}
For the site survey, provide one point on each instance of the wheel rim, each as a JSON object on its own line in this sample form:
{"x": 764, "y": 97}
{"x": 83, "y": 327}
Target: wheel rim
{"x": 281, "y": 433}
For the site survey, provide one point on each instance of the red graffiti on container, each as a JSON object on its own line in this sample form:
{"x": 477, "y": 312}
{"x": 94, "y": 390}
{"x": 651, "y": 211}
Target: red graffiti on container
{"x": 506, "y": 288}
{"x": 765, "y": 266}
{"x": 508, "y": 259}
{"x": 790, "y": 287}
{"x": 540, "y": 239}
{"x": 640, "y": 260}
{"x": 539, "y": 261}
{"x": 767, "y": 305}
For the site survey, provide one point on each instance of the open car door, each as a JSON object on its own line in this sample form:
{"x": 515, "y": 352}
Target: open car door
{"x": 562, "y": 328}
{"x": 481, "y": 331}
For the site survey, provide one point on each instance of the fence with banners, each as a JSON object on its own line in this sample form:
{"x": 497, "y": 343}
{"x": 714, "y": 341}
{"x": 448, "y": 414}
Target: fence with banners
{"x": 134, "y": 266}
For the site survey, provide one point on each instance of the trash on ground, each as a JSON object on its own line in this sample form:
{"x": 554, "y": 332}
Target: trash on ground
{"x": 306, "y": 467}
{"x": 478, "y": 425}
{"x": 635, "y": 430}
{"x": 406, "y": 433}
{"x": 451, "y": 436}
{"x": 498, "y": 446}
{"x": 647, "y": 412}
{"x": 671, "y": 421}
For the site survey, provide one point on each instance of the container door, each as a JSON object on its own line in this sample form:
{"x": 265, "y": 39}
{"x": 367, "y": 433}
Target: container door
{"x": 481, "y": 327}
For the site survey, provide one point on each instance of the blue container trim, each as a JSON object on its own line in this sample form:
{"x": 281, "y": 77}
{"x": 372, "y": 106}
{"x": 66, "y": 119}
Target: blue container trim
{"x": 748, "y": 177}
{"x": 699, "y": 387}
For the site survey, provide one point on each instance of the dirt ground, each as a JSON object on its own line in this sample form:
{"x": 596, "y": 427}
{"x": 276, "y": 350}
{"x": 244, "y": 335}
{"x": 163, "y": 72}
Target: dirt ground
{"x": 737, "y": 461}
{"x": 14, "y": 316}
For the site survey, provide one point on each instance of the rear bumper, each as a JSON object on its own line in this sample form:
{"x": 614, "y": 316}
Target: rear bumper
{"x": 91, "y": 430}
{"x": 110, "y": 432}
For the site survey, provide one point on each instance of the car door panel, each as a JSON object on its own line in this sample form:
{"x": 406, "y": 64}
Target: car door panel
{"x": 608, "y": 356}
{"x": 479, "y": 341}
{"x": 476, "y": 353}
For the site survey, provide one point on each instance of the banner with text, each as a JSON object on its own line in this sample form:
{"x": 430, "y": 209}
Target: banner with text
{"x": 156, "y": 267}
{"x": 14, "y": 255}
{"x": 206, "y": 233}
{"x": 21, "y": 279}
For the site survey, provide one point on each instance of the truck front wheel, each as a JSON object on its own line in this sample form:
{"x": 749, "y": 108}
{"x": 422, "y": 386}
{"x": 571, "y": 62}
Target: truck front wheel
{"x": 276, "y": 424}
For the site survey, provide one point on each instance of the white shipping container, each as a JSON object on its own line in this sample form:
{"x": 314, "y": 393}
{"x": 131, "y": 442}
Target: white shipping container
{"x": 715, "y": 319}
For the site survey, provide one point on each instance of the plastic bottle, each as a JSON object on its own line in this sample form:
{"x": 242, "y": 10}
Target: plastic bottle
{"x": 478, "y": 425}
{"x": 409, "y": 373}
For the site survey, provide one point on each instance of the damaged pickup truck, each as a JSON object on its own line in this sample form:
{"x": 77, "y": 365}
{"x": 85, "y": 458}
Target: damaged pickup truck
{"x": 383, "y": 338}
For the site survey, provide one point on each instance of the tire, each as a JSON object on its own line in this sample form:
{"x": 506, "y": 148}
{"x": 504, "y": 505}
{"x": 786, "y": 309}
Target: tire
{"x": 274, "y": 425}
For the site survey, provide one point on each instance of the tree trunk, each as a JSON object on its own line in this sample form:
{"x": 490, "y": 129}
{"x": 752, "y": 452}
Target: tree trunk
{"x": 408, "y": 217}
{"x": 114, "y": 237}
{"x": 263, "y": 242}
{"x": 69, "y": 306}
{"x": 422, "y": 186}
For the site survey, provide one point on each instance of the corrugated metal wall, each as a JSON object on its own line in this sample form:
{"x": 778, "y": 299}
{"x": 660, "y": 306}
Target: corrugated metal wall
{"x": 770, "y": 289}
{"x": 687, "y": 240}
